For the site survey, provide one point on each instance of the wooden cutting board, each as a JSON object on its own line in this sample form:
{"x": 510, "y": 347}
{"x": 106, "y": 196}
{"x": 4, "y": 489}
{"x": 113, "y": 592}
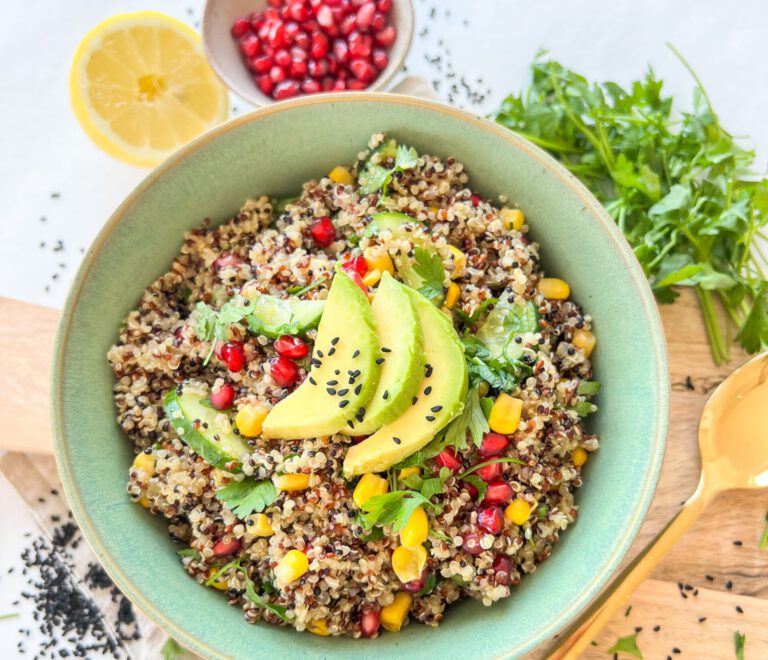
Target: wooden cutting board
{"x": 723, "y": 544}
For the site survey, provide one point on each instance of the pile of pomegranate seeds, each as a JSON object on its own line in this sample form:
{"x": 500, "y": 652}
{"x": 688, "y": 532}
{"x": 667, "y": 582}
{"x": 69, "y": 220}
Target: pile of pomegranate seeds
{"x": 308, "y": 46}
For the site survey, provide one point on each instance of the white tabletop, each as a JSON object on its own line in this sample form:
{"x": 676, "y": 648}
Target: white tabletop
{"x": 44, "y": 152}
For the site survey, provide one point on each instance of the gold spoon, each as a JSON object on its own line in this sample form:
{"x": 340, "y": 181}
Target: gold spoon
{"x": 733, "y": 440}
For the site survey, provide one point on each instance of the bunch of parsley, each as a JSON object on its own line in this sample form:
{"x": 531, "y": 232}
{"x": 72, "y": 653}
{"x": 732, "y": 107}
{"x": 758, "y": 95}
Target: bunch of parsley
{"x": 679, "y": 187}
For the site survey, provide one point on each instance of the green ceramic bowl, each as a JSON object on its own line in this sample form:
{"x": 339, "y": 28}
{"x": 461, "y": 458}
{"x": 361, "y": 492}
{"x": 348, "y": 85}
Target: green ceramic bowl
{"x": 273, "y": 151}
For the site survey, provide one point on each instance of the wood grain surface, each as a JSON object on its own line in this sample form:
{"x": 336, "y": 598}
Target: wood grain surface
{"x": 722, "y": 545}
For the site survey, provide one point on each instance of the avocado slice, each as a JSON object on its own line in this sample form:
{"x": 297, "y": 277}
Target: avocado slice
{"x": 440, "y": 397}
{"x": 272, "y": 316}
{"x": 390, "y": 220}
{"x": 344, "y": 373}
{"x": 197, "y": 426}
{"x": 402, "y": 349}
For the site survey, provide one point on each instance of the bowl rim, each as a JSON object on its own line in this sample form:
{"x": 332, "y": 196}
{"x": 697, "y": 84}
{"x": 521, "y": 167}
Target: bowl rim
{"x": 257, "y": 98}
{"x": 638, "y": 280}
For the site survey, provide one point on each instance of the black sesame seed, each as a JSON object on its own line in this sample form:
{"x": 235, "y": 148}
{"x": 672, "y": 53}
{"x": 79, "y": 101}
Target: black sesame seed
{"x": 358, "y": 389}
{"x": 356, "y": 353}
{"x": 331, "y": 352}
{"x": 385, "y": 395}
{"x": 343, "y": 404}
{"x": 336, "y": 371}
{"x": 350, "y": 423}
{"x": 316, "y": 363}
{"x": 332, "y": 382}
{"x": 739, "y": 609}
{"x": 319, "y": 354}
{"x": 571, "y": 351}
{"x": 379, "y": 360}
{"x": 330, "y": 391}
{"x": 428, "y": 370}
{"x": 729, "y": 584}
{"x": 334, "y": 341}
{"x": 738, "y": 543}
{"x": 518, "y": 339}
{"x": 351, "y": 380}
{"x": 436, "y": 408}
{"x": 676, "y": 650}
{"x": 414, "y": 400}
{"x": 397, "y": 441}
{"x": 709, "y": 578}
{"x": 312, "y": 380}
{"x": 427, "y": 390}
{"x": 702, "y": 619}
{"x": 384, "y": 349}
{"x": 430, "y": 418}
{"x": 343, "y": 392}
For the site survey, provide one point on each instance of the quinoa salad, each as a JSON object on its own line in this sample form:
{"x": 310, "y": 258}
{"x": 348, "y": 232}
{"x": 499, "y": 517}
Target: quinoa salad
{"x": 359, "y": 405}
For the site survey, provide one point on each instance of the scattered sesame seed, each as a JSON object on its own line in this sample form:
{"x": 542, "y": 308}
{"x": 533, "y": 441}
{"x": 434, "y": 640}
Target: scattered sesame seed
{"x": 739, "y": 609}
{"x": 729, "y": 584}
{"x": 379, "y": 360}
{"x": 343, "y": 392}
{"x": 702, "y": 619}
{"x": 427, "y": 390}
{"x": 430, "y": 418}
{"x": 320, "y": 354}
{"x": 312, "y": 380}
{"x": 330, "y": 391}
{"x": 358, "y": 389}
{"x": 343, "y": 404}
{"x": 331, "y": 352}
{"x": 384, "y": 349}
{"x": 385, "y": 395}
{"x": 397, "y": 441}
{"x": 332, "y": 382}
{"x": 334, "y": 341}
{"x": 709, "y": 578}
{"x": 356, "y": 353}
{"x": 435, "y": 409}
{"x": 428, "y": 370}
{"x": 414, "y": 400}
{"x": 656, "y": 628}
{"x": 738, "y": 543}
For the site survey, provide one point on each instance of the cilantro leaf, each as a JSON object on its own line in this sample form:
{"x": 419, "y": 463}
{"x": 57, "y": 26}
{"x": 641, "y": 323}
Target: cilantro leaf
{"x": 430, "y": 582}
{"x": 250, "y": 588}
{"x": 171, "y": 649}
{"x": 393, "y": 508}
{"x": 584, "y": 408}
{"x": 429, "y": 267}
{"x": 588, "y": 387}
{"x": 374, "y": 179}
{"x": 470, "y": 319}
{"x": 463, "y": 476}
{"x": 739, "y": 639}
{"x": 190, "y": 552}
{"x": 478, "y": 483}
{"x": 627, "y": 645}
{"x": 247, "y": 496}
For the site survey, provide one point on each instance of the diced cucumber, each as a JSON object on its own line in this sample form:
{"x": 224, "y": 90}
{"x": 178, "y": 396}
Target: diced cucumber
{"x": 272, "y": 316}
{"x": 504, "y": 322}
{"x": 391, "y": 221}
{"x": 196, "y": 424}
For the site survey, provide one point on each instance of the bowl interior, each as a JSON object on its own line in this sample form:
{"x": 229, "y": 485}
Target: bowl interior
{"x": 225, "y": 58}
{"x": 272, "y": 151}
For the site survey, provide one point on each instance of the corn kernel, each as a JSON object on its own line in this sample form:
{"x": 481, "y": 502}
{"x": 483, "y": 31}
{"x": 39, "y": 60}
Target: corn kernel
{"x": 518, "y": 511}
{"x": 416, "y": 530}
{"x": 408, "y": 471}
{"x": 393, "y": 616}
{"x": 369, "y": 485}
{"x": 580, "y": 456}
{"x": 249, "y": 419}
{"x": 145, "y": 462}
{"x": 452, "y": 296}
{"x": 220, "y": 584}
{"x": 291, "y": 567}
{"x": 291, "y": 482}
{"x": 372, "y": 277}
{"x": 318, "y": 627}
{"x": 585, "y": 340}
{"x": 340, "y": 174}
{"x": 555, "y": 288}
{"x": 378, "y": 258}
{"x": 459, "y": 260}
{"x": 261, "y": 526}
{"x": 505, "y": 414}
{"x": 408, "y": 563}
{"x": 512, "y": 218}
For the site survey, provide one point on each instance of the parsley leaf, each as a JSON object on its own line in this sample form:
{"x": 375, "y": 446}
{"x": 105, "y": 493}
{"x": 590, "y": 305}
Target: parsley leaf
{"x": 378, "y": 177}
{"x": 584, "y": 408}
{"x": 478, "y": 483}
{"x": 429, "y": 267}
{"x": 250, "y": 588}
{"x": 627, "y": 645}
{"x": 393, "y": 508}
{"x": 405, "y": 158}
{"x": 501, "y": 373}
{"x": 429, "y": 584}
{"x": 213, "y": 326}
{"x": 190, "y": 552}
{"x": 588, "y": 387}
{"x": 171, "y": 650}
{"x": 470, "y": 319}
{"x": 472, "y": 420}
{"x": 247, "y": 496}
{"x": 739, "y": 640}
{"x": 463, "y": 476}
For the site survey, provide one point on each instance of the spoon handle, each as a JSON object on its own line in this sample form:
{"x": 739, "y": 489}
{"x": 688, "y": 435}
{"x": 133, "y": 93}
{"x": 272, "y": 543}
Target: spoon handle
{"x": 622, "y": 587}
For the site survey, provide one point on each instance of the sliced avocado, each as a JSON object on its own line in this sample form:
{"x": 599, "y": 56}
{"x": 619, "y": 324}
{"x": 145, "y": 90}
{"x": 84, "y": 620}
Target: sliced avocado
{"x": 402, "y": 352}
{"x": 195, "y": 422}
{"x": 389, "y": 220}
{"x": 344, "y": 373}
{"x": 272, "y": 316}
{"x": 506, "y": 320}
{"x": 439, "y": 399}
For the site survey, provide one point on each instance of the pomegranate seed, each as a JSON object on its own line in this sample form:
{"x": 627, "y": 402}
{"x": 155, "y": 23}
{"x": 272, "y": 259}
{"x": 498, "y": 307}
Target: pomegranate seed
{"x": 415, "y": 586}
{"x": 301, "y": 40}
{"x": 338, "y": 14}
{"x": 310, "y": 26}
{"x": 218, "y": 349}
{"x": 256, "y": 20}
{"x": 291, "y": 347}
{"x": 261, "y": 64}
{"x": 226, "y": 260}
{"x": 357, "y": 279}
{"x": 268, "y": 50}
{"x": 370, "y": 620}
{"x": 264, "y": 31}
{"x": 298, "y": 68}
{"x": 502, "y": 568}
{"x": 384, "y": 6}
{"x": 282, "y": 59}
{"x": 362, "y": 70}
{"x": 315, "y": 4}
{"x": 273, "y": 13}
{"x": 327, "y": 84}
{"x": 348, "y": 24}
{"x": 378, "y": 22}
{"x": 240, "y": 28}
{"x": 475, "y": 199}
{"x": 275, "y": 3}
{"x": 317, "y": 68}
{"x": 333, "y": 64}
{"x": 332, "y": 30}
{"x": 286, "y": 89}
{"x": 360, "y": 45}
{"x": 471, "y": 543}
{"x": 469, "y": 488}
{"x": 490, "y": 519}
{"x": 380, "y": 58}
{"x": 298, "y": 11}
{"x": 447, "y": 458}
{"x": 264, "y": 83}
{"x": 493, "y": 444}
{"x": 276, "y": 34}
{"x": 285, "y": 372}
{"x": 319, "y": 47}
{"x": 386, "y": 37}
{"x": 324, "y": 16}
{"x": 358, "y": 3}
{"x": 323, "y": 232}
{"x": 298, "y": 54}
{"x": 223, "y": 398}
{"x": 223, "y": 548}
{"x": 233, "y": 354}
{"x": 310, "y": 86}
{"x": 357, "y": 264}
{"x": 357, "y": 85}
{"x": 365, "y": 15}
{"x": 277, "y": 74}
{"x": 292, "y": 28}
{"x": 490, "y": 472}
{"x": 340, "y": 50}
{"x": 342, "y": 75}
{"x": 250, "y": 46}
{"x": 498, "y": 492}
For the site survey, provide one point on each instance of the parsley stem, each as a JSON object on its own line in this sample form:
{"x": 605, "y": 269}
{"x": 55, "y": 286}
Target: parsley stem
{"x": 474, "y": 468}
{"x": 717, "y": 343}
{"x": 12, "y": 615}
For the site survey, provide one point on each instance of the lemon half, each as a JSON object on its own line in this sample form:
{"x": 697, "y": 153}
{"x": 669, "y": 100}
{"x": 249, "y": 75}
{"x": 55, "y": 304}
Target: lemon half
{"x": 140, "y": 87}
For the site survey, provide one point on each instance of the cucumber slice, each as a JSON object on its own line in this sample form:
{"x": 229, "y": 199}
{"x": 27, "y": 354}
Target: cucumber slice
{"x": 189, "y": 415}
{"x": 504, "y": 322}
{"x": 392, "y": 221}
{"x": 272, "y": 316}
